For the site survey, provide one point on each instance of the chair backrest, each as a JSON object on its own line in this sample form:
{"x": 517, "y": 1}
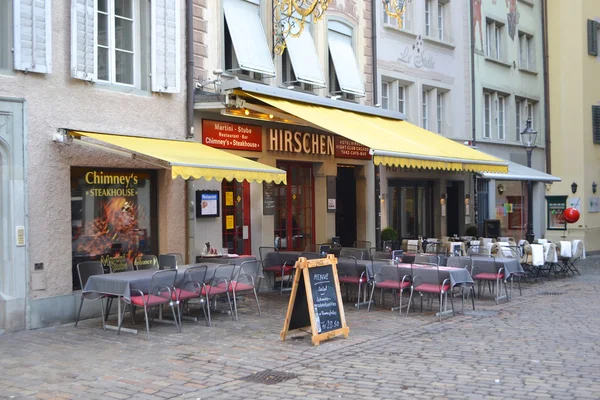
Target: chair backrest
{"x": 265, "y": 251}
{"x": 361, "y": 244}
{"x": 163, "y": 282}
{"x": 167, "y": 261}
{"x": 348, "y": 252}
{"x": 509, "y": 251}
{"x": 460, "y": 262}
{"x": 387, "y": 273}
{"x": 145, "y": 261}
{"x": 578, "y": 246}
{"x": 537, "y": 255}
{"x": 427, "y": 258}
{"x": 248, "y": 273}
{"x": 88, "y": 268}
{"x": 381, "y": 255}
{"x": 178, "y": 258}
{"x": 120, "y": 265}
{"x": 397, "y": 254}
{"x": 193, "y": 278}
{"x": 224, "y": 274}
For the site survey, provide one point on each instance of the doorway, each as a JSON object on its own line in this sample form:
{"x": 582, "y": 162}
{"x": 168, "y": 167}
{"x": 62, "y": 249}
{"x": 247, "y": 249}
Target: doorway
{"x": 236, "y": 217}
{"x": 294, "y": 207}
{"x": 453, "y": 210}
{"x": 345, "y": 215}
{"x": 411, "y": 207}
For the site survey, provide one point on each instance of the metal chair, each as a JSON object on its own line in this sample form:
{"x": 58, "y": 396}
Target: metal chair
{"x": 160, "y": 293}
{"x": 427, "y": 258}
{"x": 219, "y": 284}
{"x": 381, "y": 255}
{"x": 178, "y": 258}
{"x": 493, "y": 278}
{"x": 397, "y": 255}
{"x": 117, "y": 266}
{"x": 352, "y": 276}
{"x": 317, "y": 248}
{"x": 388, "y": 277}
{"x": 189, "y": 288}
{"x": 460, "y": 262}
{"x": 145, "y": 261}
{"x": 245, "y": 281}
{"x": 271, "y": 264}
{"x": 418, "y": 285}
{"x": 85, "y": 270}
{"x": 167, "y": 261}
{"x": 352, "y": 252}
{"x": 361, "y": 244}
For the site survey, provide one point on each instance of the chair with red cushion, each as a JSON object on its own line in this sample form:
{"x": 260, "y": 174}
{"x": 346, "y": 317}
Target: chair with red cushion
{"x": 351, "y": 275}
{"x": 272, "y": 264}
{"x": 84, "y": 271}
{"x": 389, "y": 277}
{"x": 160, "y": 293}
{"x": 495, "y": 278}
{"x": 189, "y": 288}
{"x": 426, "y": 278}
{"x": 219, "y": 284}
{"x": 245, "y": 280}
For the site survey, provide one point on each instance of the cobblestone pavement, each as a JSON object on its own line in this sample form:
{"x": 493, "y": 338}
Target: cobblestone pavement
{"x": 535, "y": 346}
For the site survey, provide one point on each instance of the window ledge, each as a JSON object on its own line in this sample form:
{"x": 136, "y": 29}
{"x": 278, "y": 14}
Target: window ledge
{"x": 443, "y": 43}
{"x": 499, "y": 62}
{"x": 7, "y": 72}
{"x": 401, "y": 31}
{"x": 527, "y": 2}
{"x": 528, "y": 71}
{"x": 122, "y": 89}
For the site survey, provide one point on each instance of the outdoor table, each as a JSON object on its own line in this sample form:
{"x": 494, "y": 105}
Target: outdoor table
{"x": 409, "y": 258}
{"x": 224, "y": 259}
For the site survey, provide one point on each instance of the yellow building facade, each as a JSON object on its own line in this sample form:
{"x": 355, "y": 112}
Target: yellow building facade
{"x": 574, "y": 97}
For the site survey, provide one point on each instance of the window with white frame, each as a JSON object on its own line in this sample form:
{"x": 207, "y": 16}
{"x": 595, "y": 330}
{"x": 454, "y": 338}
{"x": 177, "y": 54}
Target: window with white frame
{"x": 404, "y": 18}
{"x": 494, "y": 40}
{"x": 440, "y": 20}
{"x": 385, "y": 95}
{"x": 344, "y": 73}
{"x": 487, "y": 115}
{"x": 425, "y": 109}
{"x": 402, "y": 98}
{"x": 518, "y": 118}
{"x": 530, "y": 113}
{"x": 526, "y": 51}
{"x": 440, "y": 112}
{"x": 501, "y": 118}
{"x": 116, "y": 46}
{"x": 427, "y": 17}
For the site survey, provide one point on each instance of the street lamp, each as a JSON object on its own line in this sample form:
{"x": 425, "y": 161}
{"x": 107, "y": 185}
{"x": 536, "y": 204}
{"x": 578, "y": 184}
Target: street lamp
{"x": 528, "y": 137}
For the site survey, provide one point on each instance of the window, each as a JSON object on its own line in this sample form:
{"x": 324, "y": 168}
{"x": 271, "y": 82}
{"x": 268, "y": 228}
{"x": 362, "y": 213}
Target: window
{"x": 344, "y": 74}
{"x": 493, "y": 39}
{"x": 487, "y": 105}
{"x": 530, "y": 110}
{"x": 596, "y": 124}
{"x": 116, "y": 45}
{"x": 440, "y": 20}
{"x": 402, "y": 99}
{"x": 518, "y": 118}
{"x": 425, "y": 110}
{"x": 501, "y": 118}
{"x": 427, "y": 17}
{"x": 526, "y": 52}
{"x": 385, "y": 95}
{"x": 592, "y": 31}
{"x": 440, "y": 112}
{"x": 498, "y": 39}
{"x": 6, "y": 34}
{"x": 300, "y": 62}
{"x": 390, "y": 21}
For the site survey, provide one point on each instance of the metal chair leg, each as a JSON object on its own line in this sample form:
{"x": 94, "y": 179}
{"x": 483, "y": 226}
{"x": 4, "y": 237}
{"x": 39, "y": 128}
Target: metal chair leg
{"x": 79, "y": 313}
{"x": 409, "y": 301}
{"x": 234, "y": 308}
{"x": 371, "y": 298}
{"x": 256, "y": 298}
{"x": 102, "y": 311}
{"x": 147, "y": 323}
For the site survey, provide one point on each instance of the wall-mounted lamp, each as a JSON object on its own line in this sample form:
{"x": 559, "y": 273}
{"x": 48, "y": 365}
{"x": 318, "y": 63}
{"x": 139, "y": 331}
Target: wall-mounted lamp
{"x": 443, "y": 200}
{"x": 594, "y": 187}
{"x": 467, "y": 199}
{"x": 548, "y": 187}
{"x": 500, "y": 189}
{"x": 574, "y": 187}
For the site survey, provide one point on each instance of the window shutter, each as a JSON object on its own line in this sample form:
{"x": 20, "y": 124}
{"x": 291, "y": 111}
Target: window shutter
{"x": 33, "y": 35}
{"x": 165, "y": 46}
{"x": 596, "y": 124}
{"x": 592, "y": 30}
{"x": 83, "y": 41}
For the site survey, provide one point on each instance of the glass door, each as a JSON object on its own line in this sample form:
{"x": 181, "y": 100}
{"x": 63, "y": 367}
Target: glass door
{"x": 411, "y": 208}
{"x": 294, "y": 203}
{"x": 236, "y": 217}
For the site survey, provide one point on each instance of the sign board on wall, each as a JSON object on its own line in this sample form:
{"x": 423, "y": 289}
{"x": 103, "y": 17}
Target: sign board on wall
{"x": 225, "y": 135}
{"x": 556, "y": 207}
{"x": 269, "y": 198}
{"x": 207, "y": 203}
{"x": 331, "y": 194}
{"x": 288, "y": 141}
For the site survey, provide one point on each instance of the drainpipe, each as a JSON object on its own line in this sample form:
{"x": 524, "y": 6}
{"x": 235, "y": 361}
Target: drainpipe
{"x": 377, "y": 174}
{"x": 546, "y": 85}
{"x": 473, "y": 115}
{"x": 189, "y": 65}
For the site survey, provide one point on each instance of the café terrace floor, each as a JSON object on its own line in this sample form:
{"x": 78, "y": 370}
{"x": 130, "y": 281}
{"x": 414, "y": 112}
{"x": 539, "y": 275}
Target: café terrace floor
{"x": 535, "y": 346}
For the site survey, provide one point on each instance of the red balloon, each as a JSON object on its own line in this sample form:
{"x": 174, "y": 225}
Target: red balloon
{"x": 571, "y": 215}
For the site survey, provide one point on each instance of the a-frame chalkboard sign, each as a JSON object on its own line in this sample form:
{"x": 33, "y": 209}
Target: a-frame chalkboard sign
{"x": 316, "y": 301}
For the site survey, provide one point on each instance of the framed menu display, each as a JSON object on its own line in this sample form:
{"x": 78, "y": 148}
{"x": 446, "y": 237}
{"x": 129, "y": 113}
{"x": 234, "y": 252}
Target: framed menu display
{"x": 207, "y": 203}
{"x": 556, "y": 207}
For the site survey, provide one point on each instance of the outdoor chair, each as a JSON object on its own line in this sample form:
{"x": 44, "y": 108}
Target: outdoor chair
{"x": 116, "y": 267}
{"x": 272, "y": 266}
{"x": 352, "y": 252}
{"x": 427, "y": 258}
{"x": 551, "y": 258}
{"x": 388, "y": 277}
{"x": 397, "y": 255}
{"x": 320, "y": 249}
{"x": 178, "y": 258}
{"x": 145, "y": 261}
{"x": 492, "y": 278}
{"x": 460, "y": 262}
{"x": 361, "y": 244}
{"x": 534, "y": 260}
{"x": 418, "y": 285}
{"x": 167, "y": 261}
{"x": 219, "y": 284}
{"x": 85, "y": 270}
{"x": 160, "y": 293}
{"x": 381, "y": 255}
{"x": 245, "y": 281}
{"x": 189, "y": 288}
{"x": 578, "y": 252}
{"x": 352, "y": 276}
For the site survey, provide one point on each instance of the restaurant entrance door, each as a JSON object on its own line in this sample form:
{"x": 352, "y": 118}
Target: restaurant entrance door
{"x": 345, "y": 216}
{"x": 236, "y": 216}
{"x": 411, "y": 208}
{"x": 294, "y": 207}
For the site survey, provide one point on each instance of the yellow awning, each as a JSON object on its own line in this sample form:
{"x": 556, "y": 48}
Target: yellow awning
{"x": 392, "y": 142}
{"x": 192, "y": 159}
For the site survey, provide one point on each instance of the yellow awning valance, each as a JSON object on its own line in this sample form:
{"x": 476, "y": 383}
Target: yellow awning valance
{"x": 392, "y": 142}
{"x": 192, "y": 159}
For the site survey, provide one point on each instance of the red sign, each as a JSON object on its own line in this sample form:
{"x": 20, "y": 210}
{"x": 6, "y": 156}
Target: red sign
{"x": 346, "y": 148}
{"x": 225, "y": 135}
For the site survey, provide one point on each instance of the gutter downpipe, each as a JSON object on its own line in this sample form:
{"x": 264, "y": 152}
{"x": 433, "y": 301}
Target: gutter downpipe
{"x": 189, "y": 126}
{"x": 377, "y": 169}
{"x": 546, "y": 86}
{"x": 473, "y": 115}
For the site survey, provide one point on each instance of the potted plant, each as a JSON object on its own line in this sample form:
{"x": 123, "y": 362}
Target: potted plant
{"x": 390, "y": 236}
{"x": 471, "y": 231}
